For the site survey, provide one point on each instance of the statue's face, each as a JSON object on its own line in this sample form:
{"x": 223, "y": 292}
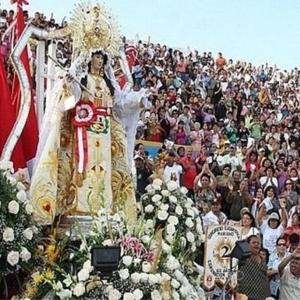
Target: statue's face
{"x": 97, "y": 61}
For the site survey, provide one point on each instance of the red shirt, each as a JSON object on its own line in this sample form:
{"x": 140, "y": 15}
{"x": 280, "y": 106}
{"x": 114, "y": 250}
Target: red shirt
{"x": 190, "y": 172}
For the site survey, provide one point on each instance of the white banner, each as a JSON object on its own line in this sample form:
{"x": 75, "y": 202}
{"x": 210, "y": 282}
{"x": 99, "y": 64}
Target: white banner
{"x": 220, "y": 241}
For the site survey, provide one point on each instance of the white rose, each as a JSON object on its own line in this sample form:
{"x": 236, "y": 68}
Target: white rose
{"x": 124, "y": 274}
{"x": 165, "y": 277}
{"x": 170, "y": 229}
{"x": 20, "y": 186}
{"x": 199, "y": 228}
{"x": 12, "y": 180}
{"x": 189, "y": 223}
{"x": 28, "y": 233}
{"x": 190, "y": 237}
{"x": 83, "y": 275}
{"x": 6, "y": 165}
{"x": 21, "y": 196}
{"x": 127, "y": 260}
{"x": 178, "y": 210}
{"x": 146, "y": 267}
{"x": 13, "y": 207}
{"x": 88, "y": 266}
{"x": 128, "y": 296}
{"x": 172, "y": 263}
{"x": 8, "y": 234}
{"x": 136, "y": 261}
{"x": 169, "y": 238}
{"x": 184, "y": 291}
{"x": 175, "y": 284}
{"x": 172, "y": 186}
{"x": 165, "y": 193}
{"x": 183, "y": 242}
{"x": 57, "y": 286}
{"x": 173, "y": 220}
{"x": 164, "y": 207}
{"x": 149, "y": 223}
{"x": 148, "y": 187}
{"x": 193, "y": 248}
{"x": 138, "y": 294}
{"x": 173, "y": 199}
{"x": 114, "y": 294}
{"x": 179, "y": 275}
{"x": 162, "y": 215}
{"x": 190, "y": 201}
{"x": 156, "y": 198}
{"x": 135, "y": 277}
{"x": 190, "y": 212}
{"x": 175, "y": 295}
{"x": 156, "y": 187}
{"x": 107, "y": 242}
{"x": 149, "y": 208}
{"x": 64, "y": 294}
{"x": 155, "y": 295}
{"x": 152, "y": 279}
{"x": 28, "y": 209}
{"x": 157, "y": 181}
{"x": 13, "y": 258}
{"x": 79, "y": 289}
{"x": 184, "y": 190}
{"x": 144, "y": 277}
{"x": 25, "y": 254}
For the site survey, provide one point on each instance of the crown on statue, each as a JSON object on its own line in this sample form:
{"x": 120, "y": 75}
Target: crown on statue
{"x": 94, "y": 28}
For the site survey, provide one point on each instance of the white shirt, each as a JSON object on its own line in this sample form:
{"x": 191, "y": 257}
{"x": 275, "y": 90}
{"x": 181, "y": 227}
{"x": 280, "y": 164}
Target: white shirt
{"x": 170, "y": 172}
{"x": 289, "y": 286}
{"x": 270, "y": 236}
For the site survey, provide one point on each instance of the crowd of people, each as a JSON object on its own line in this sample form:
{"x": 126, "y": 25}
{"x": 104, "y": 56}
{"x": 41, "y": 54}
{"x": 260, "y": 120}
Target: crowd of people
{"x": 229, "y": 132}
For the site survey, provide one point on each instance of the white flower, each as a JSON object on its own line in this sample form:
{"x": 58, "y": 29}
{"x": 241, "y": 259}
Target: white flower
{"x": 175, "y": 295}
{"x": 165, "y": 193}
{"x": 88, "y": 266}
{"x": 136, "y": 261}
{"x": 183, "y": 242}
{"x": 164, "y": 207}
{"x": 57, "y": 286}
{"x": 25, "y": 254}
{"x": 170, "y": 229}
{"x": 21, "y": 186}
{"x": 145, "y": 239}
{"x": 21, "y": 196}
{"x": 114, "y": 294}
{"x": 8, "y": 234}
{"x": 127, "y": 260}
{"x": 144, "y": 277}
{"x": 155, "y": 295}
{"x": 146, "y": 267}
{"x": 190, "y": 212}
{"x": 135, "y": 277}
{"x": 162, "y": 215}
{"x": 79, "y": 289}
{"x": 83, "y": 275}
{"x": 184, "y": 291}
{"x": 179, "y": 275}
{"x": 13, "y": 207}
{"x": 107, "y": 242}
{"x": 149, "y": 224}
{"x": 172, "y": 263}
{"x": 124, "y": 274}
{"x": 166, "y": 248}
{"x": 138, "y": 294}
{"x": 28, "y": 208}
{"x": 12, "y": 180}
{"x": 199, "y": 228}
{"x": 184, "y": 190}
{"x": 173, "y": 199}
{"x": 189, "y": 223}
{"x": 64, "y": 294}
{"x": 156, "y": 187}
{"x": 178, "y": 210}
{"x": 128, "y": 296}
{"x": 13, "y": 258}
{"x": 28, "y": 233}
{"x": 156, "y": 198}
{"x": 157, "y": 181}
{"x": 175, "y": 284}
{"x": 165, "y": 277}
{"x": 169, "y": 238}
{"x": 148, "y": 188}
{"x": 172, "y": 185}
{"x": 149, "y": 208}
{"x": 190, "y": 237}
{"x": 173, "y": 220}
{"x": 6, "y": 165}
{"x": 193, "y": 248}
{"x": 68, "y": 281}
{"x": 153, "y": 279}
{"x": 71, "y": 256}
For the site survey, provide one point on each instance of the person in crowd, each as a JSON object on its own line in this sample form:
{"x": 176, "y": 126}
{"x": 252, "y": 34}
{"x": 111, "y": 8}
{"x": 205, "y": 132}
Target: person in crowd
{"x": 248, "y": 225}
{"x": 254, "y": 282}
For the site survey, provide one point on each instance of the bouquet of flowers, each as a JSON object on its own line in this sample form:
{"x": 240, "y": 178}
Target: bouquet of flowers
{"x": 18, "y": 231}
{"x": 168, "y": 207}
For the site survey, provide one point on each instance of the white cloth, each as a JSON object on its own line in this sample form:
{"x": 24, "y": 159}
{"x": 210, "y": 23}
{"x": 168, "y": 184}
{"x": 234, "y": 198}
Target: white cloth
{"x": 169, "y": 172}
{"x": 270, "y": 236}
